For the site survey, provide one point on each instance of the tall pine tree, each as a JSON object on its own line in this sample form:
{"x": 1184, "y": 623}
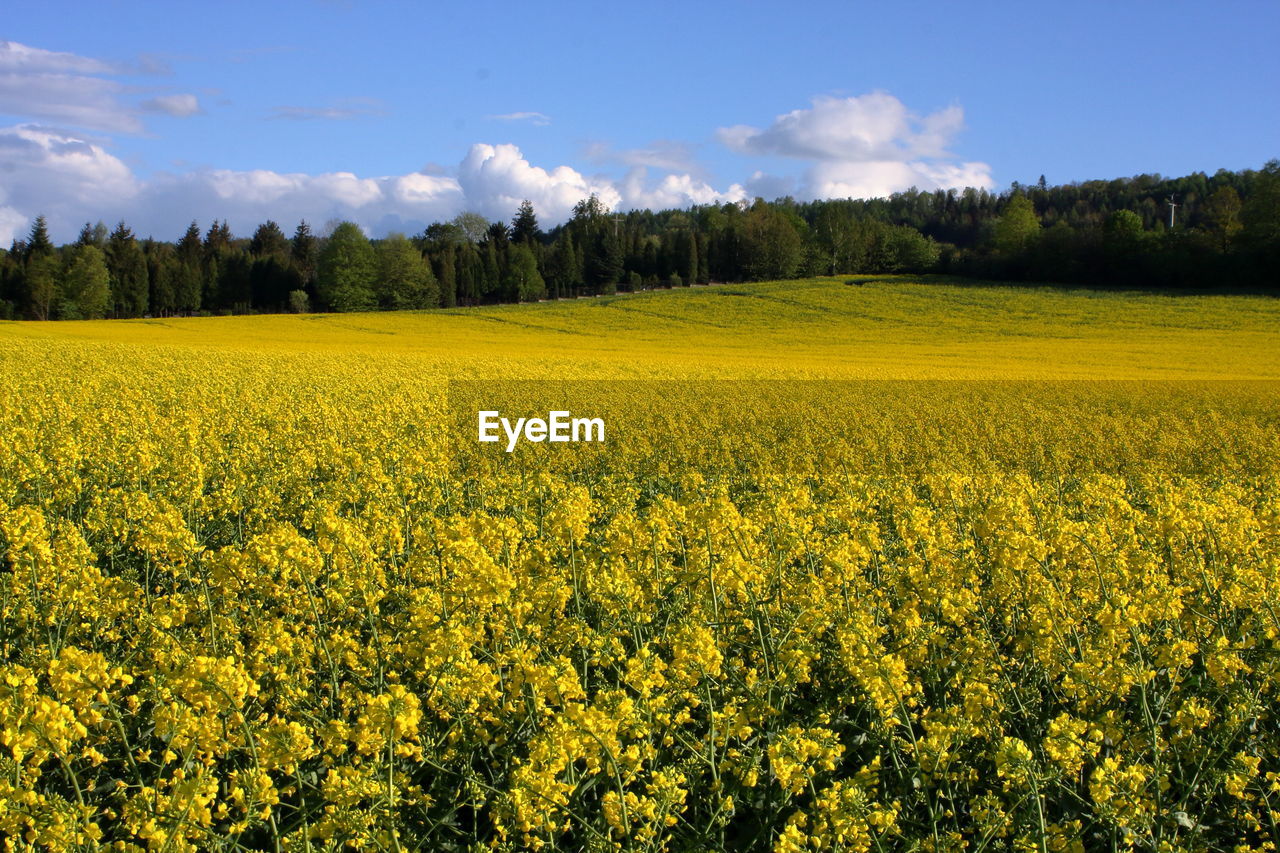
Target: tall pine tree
{"x": 524, "y": 226}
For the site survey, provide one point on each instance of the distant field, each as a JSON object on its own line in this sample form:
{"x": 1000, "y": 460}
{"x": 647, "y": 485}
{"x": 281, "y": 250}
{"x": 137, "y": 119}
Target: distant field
{"x": 879, "y": 328}
{"x": 261, "y": 588}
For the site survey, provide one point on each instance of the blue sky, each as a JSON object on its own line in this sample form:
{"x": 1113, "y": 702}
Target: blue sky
{"x": 398, "y": 114}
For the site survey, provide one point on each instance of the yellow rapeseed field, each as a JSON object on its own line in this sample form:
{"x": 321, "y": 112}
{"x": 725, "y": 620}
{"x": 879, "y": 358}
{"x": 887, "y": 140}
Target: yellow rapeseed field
{"x": 886, "y": 565}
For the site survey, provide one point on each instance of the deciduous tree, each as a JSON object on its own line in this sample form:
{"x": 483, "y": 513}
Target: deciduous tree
{"x": 1017, "y": 227}
{"x": 86, "y": 285}
{"x": 348, "y": 270}
{"x": 404, "y": 279}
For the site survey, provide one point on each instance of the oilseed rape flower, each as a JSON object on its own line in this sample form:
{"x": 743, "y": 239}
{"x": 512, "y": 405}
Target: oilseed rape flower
{"x": 259, "y": 594}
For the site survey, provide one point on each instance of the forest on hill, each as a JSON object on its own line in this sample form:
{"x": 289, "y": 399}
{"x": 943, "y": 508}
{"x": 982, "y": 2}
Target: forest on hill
{"x": 1196, "y": 233}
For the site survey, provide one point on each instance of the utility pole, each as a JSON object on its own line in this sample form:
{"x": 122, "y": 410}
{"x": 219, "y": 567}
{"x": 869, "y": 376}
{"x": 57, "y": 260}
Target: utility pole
{"x": 1172, "y": 208}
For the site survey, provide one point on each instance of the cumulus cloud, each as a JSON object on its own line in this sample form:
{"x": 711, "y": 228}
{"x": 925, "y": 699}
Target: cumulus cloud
{"x": 860, "y": 147}
{"x": 880, "y": 178}
{"x": 539, "y": 119}
{"x": 247, "y": 198}
{"x": 673, "y": 191}
{"x": 72, "y": 180}
{"x": 869, "y": 127}
{"x": 864, "y": 146}
{"x": 47, "y": 171}
{"x": 496, "y": 178}
{"x": 179, "y": 106}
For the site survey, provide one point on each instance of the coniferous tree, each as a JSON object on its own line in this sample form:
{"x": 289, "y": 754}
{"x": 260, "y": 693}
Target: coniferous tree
{"x": 128, "y": 268}
{"x": 556, "y": 266}
{"x": 303, "y": 252}
{"x": 491, "y": 286}
{"x": 704, "y": 265}
{"x": 271, "y": 279}
{"x": 189, "y": 246}
{"x": 217, "y": 239}
{"x": 38, "y": 242}
{"x": 86, "y": 236}
{"x": 691, "y": 258}
{"x": 446, "y": 268}
{"x": 234, "y": 283}
{"x": 10, "y": 285}
{"x": 498, "y": 234}
{"x": 217, "y": 246}
{"x": 272, "y": 275}
{"x": 524, "y": 226}
{"x": 163, "y": 273}
{"x": 189, "y": 286}
{"x": 93, "y": 235}
{"x": 40, "y": 271}
{"x": 469, "y": 274}
{"x": 269, "y": 241}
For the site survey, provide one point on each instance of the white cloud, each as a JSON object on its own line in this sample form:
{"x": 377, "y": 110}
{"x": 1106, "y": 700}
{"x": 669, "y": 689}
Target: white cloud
{"x": 27, "y": 59}
{"x": 348, "y": 190}
{"x": 881, "y": 178}
{"x": 78, "y": 90}
{"x": 865, "y": 146}
{"x": 935, "y": 131}
{"x": 496, "y": 178}
{"x": 539, "y": 119}
{"x": 422, "y": 188}
{"x": 871, "y": 145}
{"x": 862, "y": 179}
{"x": 179, "y": 106}
{"x": 89, "y": 102}
{"x": 245, "y": 199}
{"x": 869, "y": 127}
{"x": 72, "y": 180}
{"x": 673, "y": 191}
{"x": 12, "y": 226}
{"x": 46, "y": 171}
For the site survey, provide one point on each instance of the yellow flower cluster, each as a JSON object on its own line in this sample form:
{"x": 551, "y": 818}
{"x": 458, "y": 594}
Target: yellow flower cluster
{"x": 274, "y": 598}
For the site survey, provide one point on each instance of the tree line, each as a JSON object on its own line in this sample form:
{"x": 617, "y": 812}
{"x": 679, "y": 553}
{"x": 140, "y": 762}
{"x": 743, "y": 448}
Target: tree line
{"x": 1197, "y": 232}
